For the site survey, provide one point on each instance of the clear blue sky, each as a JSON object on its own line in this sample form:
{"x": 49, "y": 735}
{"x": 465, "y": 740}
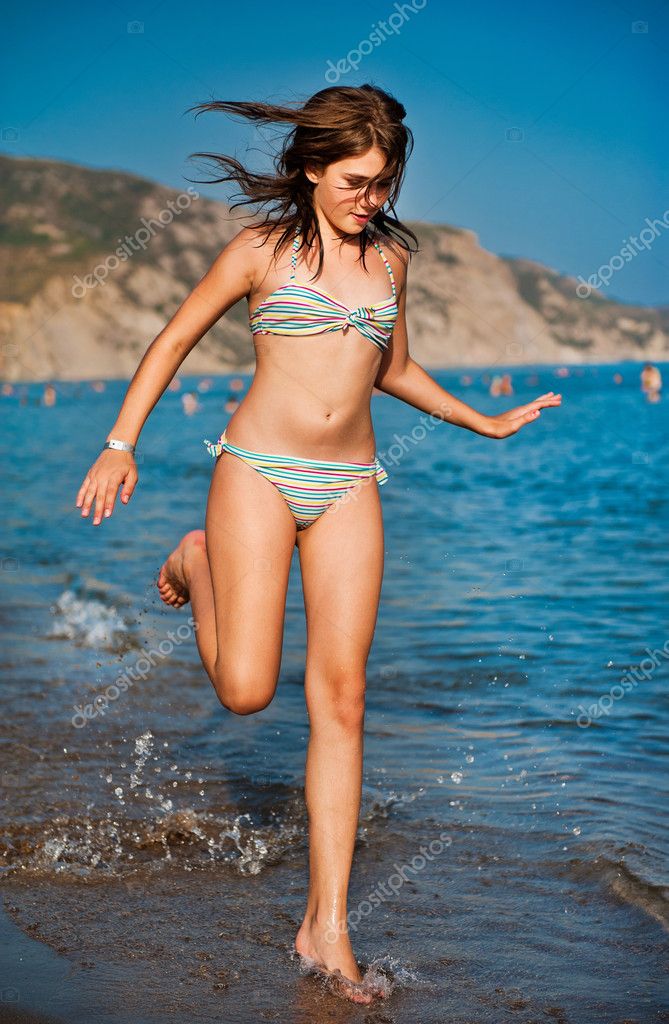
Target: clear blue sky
{"x": 587, "y": 92}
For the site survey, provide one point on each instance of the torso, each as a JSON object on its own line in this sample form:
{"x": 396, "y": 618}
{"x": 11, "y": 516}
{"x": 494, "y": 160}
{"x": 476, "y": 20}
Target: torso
{"x": 310, "y": 395}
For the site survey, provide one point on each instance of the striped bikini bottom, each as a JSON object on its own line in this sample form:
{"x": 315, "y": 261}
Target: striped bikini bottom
{"x": 309, "y": 486}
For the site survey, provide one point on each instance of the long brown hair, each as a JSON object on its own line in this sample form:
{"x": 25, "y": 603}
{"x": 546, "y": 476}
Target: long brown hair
{"x": 335, "y": 123}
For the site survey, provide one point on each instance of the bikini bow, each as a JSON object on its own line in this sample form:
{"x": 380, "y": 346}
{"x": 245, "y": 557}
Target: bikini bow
{"x": 361, "y": 313}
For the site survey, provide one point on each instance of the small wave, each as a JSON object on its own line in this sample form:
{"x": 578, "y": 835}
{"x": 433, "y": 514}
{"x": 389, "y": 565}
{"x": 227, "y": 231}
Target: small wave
{"x": 627, "y": 884}
{"x": 629, "y": 887}
{"x": 88, "y": 622}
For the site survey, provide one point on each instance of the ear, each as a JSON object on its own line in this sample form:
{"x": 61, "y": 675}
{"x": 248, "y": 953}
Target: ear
{"x": 313, "y": 173}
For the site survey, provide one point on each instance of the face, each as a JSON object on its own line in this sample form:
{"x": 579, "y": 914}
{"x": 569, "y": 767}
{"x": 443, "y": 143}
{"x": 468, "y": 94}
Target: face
{"x": 339, "y": 195}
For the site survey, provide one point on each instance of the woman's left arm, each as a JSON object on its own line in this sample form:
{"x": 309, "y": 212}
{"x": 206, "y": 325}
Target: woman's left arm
{"x": 400, "y": 376}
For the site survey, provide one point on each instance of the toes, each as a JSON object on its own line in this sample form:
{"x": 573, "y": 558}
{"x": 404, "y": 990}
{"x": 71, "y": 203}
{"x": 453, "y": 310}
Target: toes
{"x": 170, "y": 593}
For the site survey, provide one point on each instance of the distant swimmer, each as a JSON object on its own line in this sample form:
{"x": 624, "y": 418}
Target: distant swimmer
{"x": 501, "y": 385}
{"x": 617, "y": 378}
{"x": 190, "y": 403}
{"x": 651, "y": 382}
{"x": 174, "y": 384}
{"x": 49, "y": 396}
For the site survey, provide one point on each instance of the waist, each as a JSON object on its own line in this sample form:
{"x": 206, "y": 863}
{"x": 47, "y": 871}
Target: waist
{"x": 279, "y": 429}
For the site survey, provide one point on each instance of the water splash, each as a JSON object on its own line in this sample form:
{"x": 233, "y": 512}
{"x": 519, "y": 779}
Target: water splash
{"x": 87, "y": 622}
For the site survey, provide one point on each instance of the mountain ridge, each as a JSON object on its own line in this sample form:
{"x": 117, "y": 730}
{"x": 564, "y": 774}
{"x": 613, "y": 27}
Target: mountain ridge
{"x": 149, "y": 245}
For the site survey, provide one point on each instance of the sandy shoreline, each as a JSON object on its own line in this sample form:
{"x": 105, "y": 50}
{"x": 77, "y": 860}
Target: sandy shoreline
{"x": 29, "y": 970}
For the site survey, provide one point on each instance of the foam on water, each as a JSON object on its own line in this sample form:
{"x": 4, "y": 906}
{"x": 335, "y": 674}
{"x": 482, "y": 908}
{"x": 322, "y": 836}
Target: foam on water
{"x": 87, "y": 622}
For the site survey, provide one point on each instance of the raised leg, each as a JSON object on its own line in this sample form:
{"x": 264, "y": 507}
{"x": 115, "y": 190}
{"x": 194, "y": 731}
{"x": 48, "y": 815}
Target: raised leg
{"x": 341, "y": 558}
{"x": 235, "y": 575}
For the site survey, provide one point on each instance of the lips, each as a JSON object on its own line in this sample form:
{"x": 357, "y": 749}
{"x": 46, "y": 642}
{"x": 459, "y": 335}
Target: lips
{"x": 362, "y": 218}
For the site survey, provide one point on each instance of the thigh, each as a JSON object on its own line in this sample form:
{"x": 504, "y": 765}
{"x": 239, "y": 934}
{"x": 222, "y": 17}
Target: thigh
{"x": 250, "y": 542}
{"x": 341, "y": 561}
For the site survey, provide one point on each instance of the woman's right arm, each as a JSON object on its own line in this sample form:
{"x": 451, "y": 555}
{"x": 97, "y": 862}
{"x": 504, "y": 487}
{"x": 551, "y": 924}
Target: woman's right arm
{"x": 228, "y": 280}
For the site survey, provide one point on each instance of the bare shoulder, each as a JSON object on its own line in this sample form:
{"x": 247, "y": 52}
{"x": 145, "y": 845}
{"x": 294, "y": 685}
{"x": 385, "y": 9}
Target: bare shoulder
{"x": 255, "y": 246}
{"x": 397, "y": 253}
{"x": 245, "y": 244}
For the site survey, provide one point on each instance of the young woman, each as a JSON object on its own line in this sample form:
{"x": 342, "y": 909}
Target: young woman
{"x": 324, "y": 271}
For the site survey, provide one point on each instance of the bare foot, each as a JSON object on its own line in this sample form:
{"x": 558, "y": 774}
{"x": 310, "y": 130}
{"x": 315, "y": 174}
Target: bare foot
{"x": 333, "y": 961}
{"x": 172, "y": 581}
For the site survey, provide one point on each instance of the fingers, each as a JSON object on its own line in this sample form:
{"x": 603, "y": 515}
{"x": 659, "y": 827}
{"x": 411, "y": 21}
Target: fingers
{"x": 88, "y": 496}
{"x": 99, "y": 504}
{"x": 110, "y": 495}
{"x": 82, "y": 491}
{"x": 102, "y": 492}
{"x": 129, "y": 486}
{"x": 548, "y": 399}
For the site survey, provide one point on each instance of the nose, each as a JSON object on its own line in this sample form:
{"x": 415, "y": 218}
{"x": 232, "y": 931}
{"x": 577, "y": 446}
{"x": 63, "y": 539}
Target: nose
{"x": 373, "y": 198}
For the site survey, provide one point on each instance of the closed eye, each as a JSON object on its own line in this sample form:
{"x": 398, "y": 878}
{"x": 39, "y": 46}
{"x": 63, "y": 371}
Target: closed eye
{"x": 363, "y": 182}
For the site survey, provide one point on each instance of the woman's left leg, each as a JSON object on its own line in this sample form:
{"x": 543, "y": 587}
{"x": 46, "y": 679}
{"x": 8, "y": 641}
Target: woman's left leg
{"x": 341, "y": 560}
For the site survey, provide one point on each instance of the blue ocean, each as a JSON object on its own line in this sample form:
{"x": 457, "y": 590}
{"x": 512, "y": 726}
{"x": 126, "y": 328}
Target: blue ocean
{"x": 153, "y": 848}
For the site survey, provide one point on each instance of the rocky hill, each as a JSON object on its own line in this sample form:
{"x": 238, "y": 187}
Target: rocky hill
{"x": 148, "y": 246}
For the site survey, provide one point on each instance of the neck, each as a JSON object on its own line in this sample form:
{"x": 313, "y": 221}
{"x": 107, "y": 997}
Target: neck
{"x": 332, "y": 236}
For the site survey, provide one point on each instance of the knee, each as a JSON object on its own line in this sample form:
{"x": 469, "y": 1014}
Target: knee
{"x": 349, "y": 712}
{"x": 242, "y": 694}
{"x": 340, "y": 702}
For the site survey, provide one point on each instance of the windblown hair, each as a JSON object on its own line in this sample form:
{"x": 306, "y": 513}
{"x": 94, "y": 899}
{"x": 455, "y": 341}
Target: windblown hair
{"x": 335, "y": 123}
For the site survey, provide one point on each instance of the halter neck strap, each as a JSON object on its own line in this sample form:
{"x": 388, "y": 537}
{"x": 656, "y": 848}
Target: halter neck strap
{"x": 296, "y": 245}
{"x": 293, "y": 258}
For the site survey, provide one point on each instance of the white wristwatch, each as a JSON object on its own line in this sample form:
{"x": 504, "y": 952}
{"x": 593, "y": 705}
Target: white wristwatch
{"x": 119, "y": 446}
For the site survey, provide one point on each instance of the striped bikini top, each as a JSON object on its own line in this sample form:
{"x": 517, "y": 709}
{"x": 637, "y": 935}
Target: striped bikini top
{"x": 299, "y": 309}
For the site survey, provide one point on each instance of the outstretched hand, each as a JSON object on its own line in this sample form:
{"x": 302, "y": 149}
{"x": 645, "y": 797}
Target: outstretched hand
{"x": 101, "y": 483}
{"x": 510, "y": 422}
